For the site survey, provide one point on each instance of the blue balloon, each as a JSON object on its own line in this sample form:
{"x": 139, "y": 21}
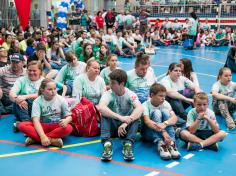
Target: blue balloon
{"x": 62, "y": 14}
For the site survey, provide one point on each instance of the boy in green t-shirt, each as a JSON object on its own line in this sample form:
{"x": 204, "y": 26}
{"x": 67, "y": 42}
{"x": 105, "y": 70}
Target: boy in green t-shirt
{"x": 159, "y": 120}
{"x": 202, "y": 128}
{"x": 120, "y": 109}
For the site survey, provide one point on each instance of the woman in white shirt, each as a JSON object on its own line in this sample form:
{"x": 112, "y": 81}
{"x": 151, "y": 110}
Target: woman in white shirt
{"x": 180, "y": 90}
{"x": 188, "y": 72}
{"x": 89, "y": 84}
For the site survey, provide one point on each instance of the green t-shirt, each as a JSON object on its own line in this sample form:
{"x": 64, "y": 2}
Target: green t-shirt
{"x": 92, "y": 90}
{"x": 123, "y": 105}
{"x": 192, "y": 27}
{"x": 105, "y": 74}
{"x": 52, "y": 111}
{"x": 140, "y": 85}
{"x": 204, "y": 125}
{"x": 149, "y": 109}
{"x": 69, "y": 73}
{"x": 220, "y": 36}
{"x": 24, "y": 86}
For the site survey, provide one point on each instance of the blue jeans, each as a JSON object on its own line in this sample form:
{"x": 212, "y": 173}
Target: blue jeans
{"x": 56, "y": 66}
{"x": 6, "y": 105}
{"x": 179, "y": 106}
{"x": 69, "y": 85}
{"x": 155, "y": 136}
{"x": 22, "y": 114}
{"x": 109, "y": 128}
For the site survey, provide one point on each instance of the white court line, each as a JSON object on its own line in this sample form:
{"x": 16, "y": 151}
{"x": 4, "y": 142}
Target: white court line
{"x": 173, "y": 164}
{"x": 188, "y": 156}
{"x": 205, "y": 74}
{"x": 152, "y": 173}
{"x": 156, "y": 65}
{"x": 213, "y": 51}
{"x": 198, "y": 57}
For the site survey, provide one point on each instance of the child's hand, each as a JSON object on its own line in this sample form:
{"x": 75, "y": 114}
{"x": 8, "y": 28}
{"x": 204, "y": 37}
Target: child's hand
{"x": 233, "y": 100}
{"x": 63, "y": 123}
{"x": 201, "y": 115}
{"x": 23, "y": 105}
{"x": 161, "y": 126}
{"x": 189, "y": 100}
{"x": 20, "y": 99}
{"x": 166, "y": 138}
{"x": 122, "y": 130}
{"x": 45, "y": 141}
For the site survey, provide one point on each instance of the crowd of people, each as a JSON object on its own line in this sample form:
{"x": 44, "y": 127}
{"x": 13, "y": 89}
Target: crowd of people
{"x": 41, "y": 69}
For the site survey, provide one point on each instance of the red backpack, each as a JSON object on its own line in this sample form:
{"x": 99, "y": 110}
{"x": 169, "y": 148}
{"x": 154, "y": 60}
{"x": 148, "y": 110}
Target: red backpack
{"x": 85, "y": 117}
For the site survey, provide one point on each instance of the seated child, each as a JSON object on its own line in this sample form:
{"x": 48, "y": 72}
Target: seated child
{"x": 202, "y": 128}
{"x": 224, "y": 101}
{"x": 159, "y": 120}
{"x": 50, "y": 117}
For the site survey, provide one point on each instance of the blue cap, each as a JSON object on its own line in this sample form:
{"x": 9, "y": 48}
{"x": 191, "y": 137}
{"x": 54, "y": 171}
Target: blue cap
{"x": 17, "y": 57}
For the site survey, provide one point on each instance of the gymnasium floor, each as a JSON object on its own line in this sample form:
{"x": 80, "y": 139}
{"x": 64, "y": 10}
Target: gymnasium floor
{"x": 81, "y": 156}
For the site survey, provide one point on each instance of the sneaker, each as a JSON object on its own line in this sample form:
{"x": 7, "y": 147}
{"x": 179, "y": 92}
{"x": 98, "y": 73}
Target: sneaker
{"x": 173, "y": 151}
{"x": 57, "y": 142}
{"x": 29, "y": 141}
{"x": 214, "y": 147}
{"x": 193, "y": 146}
{"x": 163, "y": 151}
{"x": 128, "y": 152}
{"x": 230, "y": 123}
{"x": 107, "y": 152}
{"x": 15, "y": 127}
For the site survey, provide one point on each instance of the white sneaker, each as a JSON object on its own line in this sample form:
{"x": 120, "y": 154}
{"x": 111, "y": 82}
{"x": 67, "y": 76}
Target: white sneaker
{"x": 173, "y": 151}
{"x": 56, "y": 142}
{"x": 163, "y": 151}
{"x": 29, "y": 141}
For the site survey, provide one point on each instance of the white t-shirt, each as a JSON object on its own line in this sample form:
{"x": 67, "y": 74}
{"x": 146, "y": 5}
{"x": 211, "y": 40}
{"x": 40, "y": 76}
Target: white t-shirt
{"x": 180, "y": 84}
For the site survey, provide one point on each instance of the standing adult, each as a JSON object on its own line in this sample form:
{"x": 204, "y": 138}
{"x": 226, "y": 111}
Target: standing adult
{"x": 193, "y": 26}
{"x": 110, "y": 19}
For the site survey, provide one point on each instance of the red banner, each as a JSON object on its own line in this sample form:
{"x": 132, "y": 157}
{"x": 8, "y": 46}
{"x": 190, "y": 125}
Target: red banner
{"x": 23, "y": 11}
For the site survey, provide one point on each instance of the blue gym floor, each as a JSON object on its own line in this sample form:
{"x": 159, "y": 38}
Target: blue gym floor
{"x": 81, "y": 156}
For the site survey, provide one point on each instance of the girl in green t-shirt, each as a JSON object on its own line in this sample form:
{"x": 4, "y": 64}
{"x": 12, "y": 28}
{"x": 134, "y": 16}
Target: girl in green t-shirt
{"x": 102, "y": 56}
{"x": 50, "y": 117}
{"x": 111, "y": 65}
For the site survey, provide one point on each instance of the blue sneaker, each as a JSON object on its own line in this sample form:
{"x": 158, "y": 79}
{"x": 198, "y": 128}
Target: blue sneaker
{"x": 214, "y": 147}
{"x": 193, "y": 146}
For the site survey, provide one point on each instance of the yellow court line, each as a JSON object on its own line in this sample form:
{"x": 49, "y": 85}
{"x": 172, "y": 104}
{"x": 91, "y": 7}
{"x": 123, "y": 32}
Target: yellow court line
{"x": 53, "y": 148}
